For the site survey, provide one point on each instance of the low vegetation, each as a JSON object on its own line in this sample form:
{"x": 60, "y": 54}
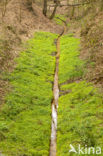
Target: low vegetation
{"x": 25, "y": 119}
{"x": 80, "y": 110}
{"x": 59, "y": 19}
{"x": 71, "y": 67}
{"x": 25, "y": 115}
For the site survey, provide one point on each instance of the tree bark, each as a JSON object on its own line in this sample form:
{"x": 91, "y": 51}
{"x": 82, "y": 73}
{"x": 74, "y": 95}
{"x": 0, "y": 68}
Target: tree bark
{"x": 101, "y": 8}
{"x": 54, "y": 11}
{"x": 55, "y": 7}
{"x": 4, "y": 9}
{"x": 62, "y": 5}
{"x": 45, "y": 8}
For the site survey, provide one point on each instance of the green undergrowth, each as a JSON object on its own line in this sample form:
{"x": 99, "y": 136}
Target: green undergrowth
{"x": 71, "y": 66}
{"x": 59, "y": 19}
{"x": 80, "y": 112}
{"x": 25, "y": 119}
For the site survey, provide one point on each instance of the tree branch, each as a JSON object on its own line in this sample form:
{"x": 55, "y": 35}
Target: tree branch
{"x": 61, "y": 5}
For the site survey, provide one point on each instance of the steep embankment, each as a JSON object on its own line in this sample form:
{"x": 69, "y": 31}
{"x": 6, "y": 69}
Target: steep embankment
{"x": 19, "y": 23}
{"x": 25, "y": 125}
{"x": 80, "y": 109}
{"x": 21, "y": 20}
{"x": 25, "y": 119}
{"x": 92, "y": 47}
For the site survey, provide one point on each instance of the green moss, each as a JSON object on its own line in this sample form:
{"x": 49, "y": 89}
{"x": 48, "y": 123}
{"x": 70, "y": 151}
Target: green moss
{"x": 25, "y": 119}
{"x": 80, "y": 111}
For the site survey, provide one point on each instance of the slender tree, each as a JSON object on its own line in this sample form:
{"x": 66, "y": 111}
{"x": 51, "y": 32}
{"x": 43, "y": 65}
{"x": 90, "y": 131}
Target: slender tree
{"x": 101, "y": 8}
{"x": 4, "y": 7}
{"x": 45, "y": 8}
{"x": 57, "y": 2}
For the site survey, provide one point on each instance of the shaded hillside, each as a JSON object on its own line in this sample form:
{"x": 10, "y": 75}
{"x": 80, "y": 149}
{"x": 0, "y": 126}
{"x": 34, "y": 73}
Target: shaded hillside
{"x": 86, "y": 22}
{"x": 25, "y": 118}
{"x": 50, "y": 106}
{"x": 21, "y": 21}
{"x": 19, "y": 24}
{"x": 93, "y": 48}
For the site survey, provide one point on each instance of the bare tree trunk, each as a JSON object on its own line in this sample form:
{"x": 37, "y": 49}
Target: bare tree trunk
{"x": 45, "y": 8}
{"x": 20, "y": 11}
{"x": 54, "y": 11}
{"x": 101, "y": 8}
{"x": 72, "y": 13}
{"x": 4, "y": 9}
{"x": 78, "y": 9}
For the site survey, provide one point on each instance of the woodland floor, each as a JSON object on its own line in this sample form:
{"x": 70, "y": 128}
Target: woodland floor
{"x": 25, "y": 118}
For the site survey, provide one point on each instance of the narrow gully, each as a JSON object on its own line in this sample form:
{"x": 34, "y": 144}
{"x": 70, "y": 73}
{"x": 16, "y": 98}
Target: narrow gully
{"x": 53, "y": 141}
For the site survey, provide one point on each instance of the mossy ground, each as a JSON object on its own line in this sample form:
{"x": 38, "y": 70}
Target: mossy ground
{"x": 80, "y": 112}
{"x": 25, "y": 119}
